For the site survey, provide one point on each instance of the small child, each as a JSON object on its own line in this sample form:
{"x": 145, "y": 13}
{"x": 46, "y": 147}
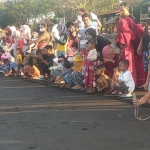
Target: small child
{"x": 103, "y": 81}
{"x": 56, "y": 69}
{"x": 114, "y": 79}
{"x": 125, "y": 84}
{"x": 11, "y": 67}
{"x": 90, "y": 65}
{"x": 19, "y": 60}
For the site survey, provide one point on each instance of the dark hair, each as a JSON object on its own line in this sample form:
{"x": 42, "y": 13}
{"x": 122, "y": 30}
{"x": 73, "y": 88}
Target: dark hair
{"x": 67, "y": 64}
{"x": 18, "y": 49}
{"x": 69, "y": 24}
{"x": 92, "y": 41}
{"x": 75, "y": 45}
{"x": 100, "y": 67}
{"x": 91, "y": 31}
{"x": 30, "y": 62}
{"x": 125, "y": 62}
{"x": 124, "y": 4}
{"x": 6, "y": 61}
{"x": 85, "y": 15}
{"x": 83, "y": 10}
{"x": 48, "y": 47}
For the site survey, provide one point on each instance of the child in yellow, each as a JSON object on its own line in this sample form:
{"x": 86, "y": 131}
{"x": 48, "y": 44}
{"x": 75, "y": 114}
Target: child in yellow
{"x": 18, "y": 61}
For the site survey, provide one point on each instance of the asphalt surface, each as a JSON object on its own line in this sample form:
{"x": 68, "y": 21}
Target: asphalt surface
{"x": 33, "y": 116}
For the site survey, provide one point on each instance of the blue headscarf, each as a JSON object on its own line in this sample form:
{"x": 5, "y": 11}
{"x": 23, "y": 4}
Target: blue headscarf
{"x": 62, "y": 29}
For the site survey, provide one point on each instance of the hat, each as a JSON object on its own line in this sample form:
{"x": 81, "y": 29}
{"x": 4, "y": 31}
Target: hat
{"x": 77, "y": 58}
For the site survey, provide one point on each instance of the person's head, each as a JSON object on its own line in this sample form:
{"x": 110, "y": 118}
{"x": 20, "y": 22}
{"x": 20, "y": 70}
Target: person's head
{"x": 61, "y": 59}
{"x": 83, "y": 11}
{"x": 77, "y": 59}
{"x": 48, "y": 49}
{"x": 108, "y": 52}
{"x": 30, "y": 62}
{"x": 34, "y": 34}
{"x": 91, "y": 44}
{"x": 43, "y": 27}
{"x": 18, "y": 51}
{"x": 90, "y": 33}
{"x": 123, "y": 5}
{"x": 75, "y": 46}
{"x": 18, "y": 26}
{"x": 123, "y": 65}
{"x": 66, "y": 64}
{"x": 70, "y": 26}
{"x": 6, "y": 62}
{"x": 86, "y": 19}
{"x": 100, "y": 70}
{"x": 125, "y": 12}
{"x": 5, "y": 48}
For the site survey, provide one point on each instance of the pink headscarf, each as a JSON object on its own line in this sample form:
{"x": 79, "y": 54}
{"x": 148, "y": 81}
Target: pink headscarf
{"x": 41, "y": 45}
{"x": 107, "y": 54}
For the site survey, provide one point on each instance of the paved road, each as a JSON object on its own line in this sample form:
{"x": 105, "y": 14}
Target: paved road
{"x": 33, "y": 116}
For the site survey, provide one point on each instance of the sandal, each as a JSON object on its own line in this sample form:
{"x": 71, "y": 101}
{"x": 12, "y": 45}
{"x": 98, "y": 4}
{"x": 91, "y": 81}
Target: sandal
{"x": 76, "y": 87}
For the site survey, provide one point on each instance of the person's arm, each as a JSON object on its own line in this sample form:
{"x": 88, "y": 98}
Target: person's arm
{"x": 63, "y": 39}
{"x": 147, "y": 80}
{"x": 92, "y": 55}
{"x": 106, "y": 84}
{"x": 142, "y": 100}
{"x": 139, "y": 50}
{"x": 99, "y": 23}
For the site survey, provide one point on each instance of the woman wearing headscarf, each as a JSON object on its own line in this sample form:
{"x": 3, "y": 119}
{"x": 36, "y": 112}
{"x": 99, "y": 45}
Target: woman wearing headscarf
{"x": 62, "y": 39}
{"x": 110, "y": 60}
{"x": 138, "y": 32}
{"x": 101, "y": 41}
{"x": 8, "y": 38}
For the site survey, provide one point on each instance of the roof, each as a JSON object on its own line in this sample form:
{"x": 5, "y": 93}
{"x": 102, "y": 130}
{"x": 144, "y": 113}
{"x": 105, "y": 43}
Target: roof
{"x": 144, "y": 2}
{"x": 47, "y": 21}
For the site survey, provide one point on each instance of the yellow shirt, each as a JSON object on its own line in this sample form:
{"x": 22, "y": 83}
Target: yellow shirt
{"x": 19, "y": 59}
{"x": 62, "y": 47}
{"x": 78, "y": 67}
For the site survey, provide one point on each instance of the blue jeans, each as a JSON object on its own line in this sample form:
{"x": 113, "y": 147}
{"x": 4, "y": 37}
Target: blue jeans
{"x": 56, "y": 72}
{"x": 60, "y": 52}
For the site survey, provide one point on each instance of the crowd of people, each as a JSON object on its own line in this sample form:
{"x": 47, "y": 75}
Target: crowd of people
{"x": 74, "y": 55}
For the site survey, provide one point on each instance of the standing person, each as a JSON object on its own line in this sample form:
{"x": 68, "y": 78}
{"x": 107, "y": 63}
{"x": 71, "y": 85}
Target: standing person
{"x": 124, "y": 41}
{"x": 91, "y": 64}
{"x": 62, "y": 39}
{"x": 144, "y": 48}
{"x": 81, "y": 33}
{"x": 19, "y": 60}
{"x": 138, "y": 32}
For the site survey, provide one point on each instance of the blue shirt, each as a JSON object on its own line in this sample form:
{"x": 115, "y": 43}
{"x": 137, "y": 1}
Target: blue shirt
{"x": 12, "y": 65}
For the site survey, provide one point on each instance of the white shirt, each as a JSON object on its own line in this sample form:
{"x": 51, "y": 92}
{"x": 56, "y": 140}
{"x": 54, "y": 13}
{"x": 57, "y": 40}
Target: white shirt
{"x": 92, "y": 55}
{"x": 127, "y": 78}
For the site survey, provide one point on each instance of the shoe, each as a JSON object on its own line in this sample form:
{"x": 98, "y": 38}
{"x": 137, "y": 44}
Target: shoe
{"x": 126, "y": 95}
{"x": 76, "y": 87}
{"x": 114, "y": 92}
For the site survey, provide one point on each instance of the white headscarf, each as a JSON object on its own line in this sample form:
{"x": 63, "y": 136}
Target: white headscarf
{"x": 26, "y": 31}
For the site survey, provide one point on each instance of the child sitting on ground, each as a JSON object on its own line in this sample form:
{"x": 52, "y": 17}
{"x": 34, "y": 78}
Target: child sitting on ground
{"x": 31, "y": 71}
{"x": 10, "y": 68}
{"x": 103, "y": 81}
{"x": 125, "y": 84}
{"x": 114, "y": 79}
{"x": 56, "y": 69}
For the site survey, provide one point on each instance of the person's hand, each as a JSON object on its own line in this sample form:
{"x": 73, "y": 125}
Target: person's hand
{"x": 136, "y": 102}
{"x": 58, "y": 78}
{"x": 146, "y": 86}
{"x": 139, "y": 51}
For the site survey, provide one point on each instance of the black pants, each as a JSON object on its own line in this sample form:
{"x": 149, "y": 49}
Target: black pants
{"x": 122, "y": 88}
{"x": 44, "y": 68}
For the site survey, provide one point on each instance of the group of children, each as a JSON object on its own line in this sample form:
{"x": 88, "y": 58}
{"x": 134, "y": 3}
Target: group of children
{"x": 83, "y": 72}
